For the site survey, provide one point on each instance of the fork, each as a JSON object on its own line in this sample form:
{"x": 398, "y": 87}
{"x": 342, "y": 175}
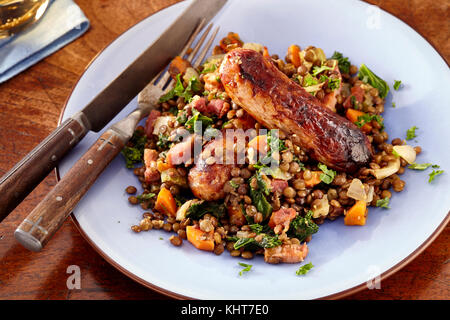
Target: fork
{"x": 48, "y": 216}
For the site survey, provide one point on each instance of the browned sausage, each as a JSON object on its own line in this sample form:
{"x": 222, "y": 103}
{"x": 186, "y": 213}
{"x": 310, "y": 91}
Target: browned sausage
{"x": 255, "y": 84}
{"x": 207, "y": 179}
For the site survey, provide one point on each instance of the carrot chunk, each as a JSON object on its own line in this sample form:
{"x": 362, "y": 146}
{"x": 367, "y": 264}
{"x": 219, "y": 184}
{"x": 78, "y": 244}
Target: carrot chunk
{"x": 165, "y": 203}
{"x": 162, "y": 166}
{"x": 315, "y": 179}
{"x": 294, "y": 55}
{"x": 200, "y": 239}
{"x": 356, "y": 215}
{"x": 353, "y": 115}
{"x": 259, "y": 143}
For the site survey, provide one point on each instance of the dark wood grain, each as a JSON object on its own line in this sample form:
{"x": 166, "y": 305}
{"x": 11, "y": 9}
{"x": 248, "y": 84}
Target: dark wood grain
{"x": 33, "y": 168}
{"x": 30, "y": 105}
{"x": 48, "y": 216}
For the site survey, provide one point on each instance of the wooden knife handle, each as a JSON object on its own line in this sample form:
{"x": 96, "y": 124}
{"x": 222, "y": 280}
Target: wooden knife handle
{"x": 40, "y": 225}
{"x": 18, "y": 182}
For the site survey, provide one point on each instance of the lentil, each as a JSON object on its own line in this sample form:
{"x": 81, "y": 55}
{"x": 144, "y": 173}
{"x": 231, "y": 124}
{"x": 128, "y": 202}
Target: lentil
{"x": 176, "y": 241}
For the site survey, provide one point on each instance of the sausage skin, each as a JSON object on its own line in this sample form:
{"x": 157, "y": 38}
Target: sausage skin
{"x": 267, "y": 94}
{"x": 207, "y": 180}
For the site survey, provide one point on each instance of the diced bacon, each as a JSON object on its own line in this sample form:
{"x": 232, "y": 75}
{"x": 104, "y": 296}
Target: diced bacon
{"x": 150, "y": 155}
{"x": 218, "y": 107}
{"x": 282, "y": 217}
{"x": 151, "y": 172}
{"x": 198, "y": 103}
{"x": 181, "y": 152}
{"x": 150, "y": 122}
{"x": 286, "y": 253}
{"x": 279, "y": 185}
{"x": 356, "y": 92}
{"x": 215, "y": 107}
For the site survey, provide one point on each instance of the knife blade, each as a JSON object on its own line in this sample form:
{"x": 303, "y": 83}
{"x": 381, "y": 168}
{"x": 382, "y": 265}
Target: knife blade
{"x": 18, "y": 182}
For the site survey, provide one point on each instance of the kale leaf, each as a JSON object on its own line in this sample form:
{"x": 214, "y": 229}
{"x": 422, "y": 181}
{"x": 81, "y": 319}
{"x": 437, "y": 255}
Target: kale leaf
{"x": 302, "y": 227}
{"x": 366, "y": 75}
{"x": 134, "y": 153}
{"x": 199, "y": 209}
{"x": 258, "y": 195}
{"x": 343, "y": 63}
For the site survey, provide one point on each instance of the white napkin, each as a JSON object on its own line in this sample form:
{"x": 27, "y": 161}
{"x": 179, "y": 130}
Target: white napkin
{"x": 62, "y": 23}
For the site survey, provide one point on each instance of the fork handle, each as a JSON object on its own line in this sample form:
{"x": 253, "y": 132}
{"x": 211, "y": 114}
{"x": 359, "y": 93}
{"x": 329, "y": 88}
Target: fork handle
{"x": 40, "y": 225}
{"x": 18, "y": 182}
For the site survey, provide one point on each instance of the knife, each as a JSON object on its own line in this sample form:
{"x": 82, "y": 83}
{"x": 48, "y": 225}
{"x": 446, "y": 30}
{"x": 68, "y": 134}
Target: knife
{"x": 17, "y": 183}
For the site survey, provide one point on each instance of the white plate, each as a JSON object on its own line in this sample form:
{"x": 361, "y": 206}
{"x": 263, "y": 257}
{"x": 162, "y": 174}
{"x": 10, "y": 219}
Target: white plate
{"x": 345, "y": 258}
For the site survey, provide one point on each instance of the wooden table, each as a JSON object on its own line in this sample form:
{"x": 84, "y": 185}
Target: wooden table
{"x": 30, "y": 105}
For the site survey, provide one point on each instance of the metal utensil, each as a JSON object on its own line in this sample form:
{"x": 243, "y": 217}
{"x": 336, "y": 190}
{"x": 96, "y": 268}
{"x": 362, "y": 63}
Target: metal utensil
{"x": 17, "y": 183}
{"x": 37, "y": 229}
{"x": 18, "y": 15}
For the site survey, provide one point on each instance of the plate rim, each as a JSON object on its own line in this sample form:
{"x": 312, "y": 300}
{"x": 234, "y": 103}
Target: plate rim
{"x": 338, "y": 295}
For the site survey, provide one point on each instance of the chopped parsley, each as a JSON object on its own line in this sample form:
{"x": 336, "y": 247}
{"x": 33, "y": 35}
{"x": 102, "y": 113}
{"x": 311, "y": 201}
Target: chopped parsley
{"x": 234, "y": 185}
{"x": 343, "y": 63}
{"x": 411, "y": 133}
{"x": 163, "y": 141}
{"x": 247, "y": 268}
{"x": 419, "y": 166}
{"x": 304, "y": 269}
{"x": 355, "y": 103}
{"x": 181, "y": 117}
{"x": 328, "y": 175}
{"x": 393, "y": 104}
{"x": 334, "y": 83}
{"x": 397, "y": 84}
{"x": 367, "y": 118}
{"x": 309, "y": 80}
{"x": 433, "y": 175}
{"x": 145, "y": 196}
{"x": 317, "y": 70}
{"x": 383, "y": 203}
{"x": 435, "y": 166}
{"x": 366, "y": 75}
{"x": 194, "y": 85}
{"x": 198, "y": 121}
{"x": 209, "y": 68}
